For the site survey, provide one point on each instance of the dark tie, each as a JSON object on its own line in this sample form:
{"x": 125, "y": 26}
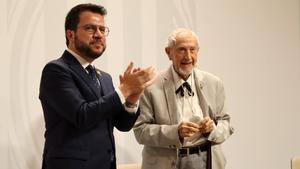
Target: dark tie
{"x": 93, "y": 76}
{"x": 181, "y": 90}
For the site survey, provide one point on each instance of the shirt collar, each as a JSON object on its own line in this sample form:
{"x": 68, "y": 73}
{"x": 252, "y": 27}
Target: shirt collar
{"x": 80, "y": 59}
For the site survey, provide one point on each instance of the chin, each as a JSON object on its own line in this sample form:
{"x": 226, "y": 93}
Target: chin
{"x": 99, "y": 51}
{"x": 185, "y": 73}
{"x": 186, "y": 70}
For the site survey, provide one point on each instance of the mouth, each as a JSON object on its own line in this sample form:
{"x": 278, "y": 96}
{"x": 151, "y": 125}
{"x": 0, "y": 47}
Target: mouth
{"x": 97, "y": 44}
{"x": 187, "y": 63}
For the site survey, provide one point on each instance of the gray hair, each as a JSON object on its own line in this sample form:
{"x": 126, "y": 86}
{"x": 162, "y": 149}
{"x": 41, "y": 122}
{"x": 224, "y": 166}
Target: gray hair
{"x": 180, "y": 32}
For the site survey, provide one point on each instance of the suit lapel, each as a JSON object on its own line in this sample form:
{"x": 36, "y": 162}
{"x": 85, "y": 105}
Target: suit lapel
{"x": 103, "y": 81}
{"x": 200, "y": 87}
{"x": 79, "y": 70}
{"x": 169, "y": 89}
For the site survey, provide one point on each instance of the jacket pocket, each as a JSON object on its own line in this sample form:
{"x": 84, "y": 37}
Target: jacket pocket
{"x": 66, "y": 159}
{"x": 69, "y": 153}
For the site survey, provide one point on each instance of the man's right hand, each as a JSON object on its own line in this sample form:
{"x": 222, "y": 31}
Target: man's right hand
{"x": 134, "y": 81}
{"x": 187, "y": 129}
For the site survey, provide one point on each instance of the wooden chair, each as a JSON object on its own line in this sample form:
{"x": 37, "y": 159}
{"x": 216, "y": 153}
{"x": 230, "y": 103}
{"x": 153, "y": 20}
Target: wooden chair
{"x": 295, "y": 162}
{"x": 129, "y": 166}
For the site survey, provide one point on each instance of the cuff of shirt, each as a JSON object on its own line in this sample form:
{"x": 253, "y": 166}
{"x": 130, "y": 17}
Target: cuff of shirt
{"x": 128, "y": 109}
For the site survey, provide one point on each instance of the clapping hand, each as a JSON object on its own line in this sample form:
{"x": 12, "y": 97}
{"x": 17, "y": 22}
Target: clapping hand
{"x": 134, "y": 81}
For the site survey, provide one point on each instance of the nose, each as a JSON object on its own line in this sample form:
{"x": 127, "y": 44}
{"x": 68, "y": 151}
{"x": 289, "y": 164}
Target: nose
{"x": 188, "y": 54}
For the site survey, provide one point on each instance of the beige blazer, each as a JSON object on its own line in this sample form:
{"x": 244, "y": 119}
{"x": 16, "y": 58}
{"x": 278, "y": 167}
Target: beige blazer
{"x": 156, "y": 127}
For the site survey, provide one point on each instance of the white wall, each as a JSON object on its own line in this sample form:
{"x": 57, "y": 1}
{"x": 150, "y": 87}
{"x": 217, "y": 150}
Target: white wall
{"x": 254, "y": 46}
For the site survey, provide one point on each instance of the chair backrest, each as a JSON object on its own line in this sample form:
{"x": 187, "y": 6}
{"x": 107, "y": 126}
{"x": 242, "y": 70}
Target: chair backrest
{"x": 295, "y": 163}
{"x": 129, "y": 166}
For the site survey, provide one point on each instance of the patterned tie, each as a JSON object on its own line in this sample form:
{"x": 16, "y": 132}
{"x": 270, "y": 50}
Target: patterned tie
{"x": 93, "y": 76}
{"x": 181, "y": 90}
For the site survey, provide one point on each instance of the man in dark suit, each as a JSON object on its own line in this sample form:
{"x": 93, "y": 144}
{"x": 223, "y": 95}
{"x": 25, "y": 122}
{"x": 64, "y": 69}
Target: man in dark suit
{"x": 81, "y": 106}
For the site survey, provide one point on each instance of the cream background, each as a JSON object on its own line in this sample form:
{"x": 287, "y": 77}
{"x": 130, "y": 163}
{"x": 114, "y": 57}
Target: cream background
{"x": 254, "y": 46}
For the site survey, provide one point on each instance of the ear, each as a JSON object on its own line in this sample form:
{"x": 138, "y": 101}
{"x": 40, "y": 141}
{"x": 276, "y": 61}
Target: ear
{"x": 70, "y": 35}
{"x": 167, "y": 50}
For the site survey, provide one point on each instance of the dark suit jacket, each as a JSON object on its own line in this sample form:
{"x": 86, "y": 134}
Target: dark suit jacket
{"x": 79, "y": 121}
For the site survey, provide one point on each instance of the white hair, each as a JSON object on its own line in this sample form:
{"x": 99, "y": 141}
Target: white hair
{"x": 180, "y": 32}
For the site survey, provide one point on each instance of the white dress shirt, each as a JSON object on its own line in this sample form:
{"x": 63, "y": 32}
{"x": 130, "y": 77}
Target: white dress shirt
{"x": 189, "y": 108}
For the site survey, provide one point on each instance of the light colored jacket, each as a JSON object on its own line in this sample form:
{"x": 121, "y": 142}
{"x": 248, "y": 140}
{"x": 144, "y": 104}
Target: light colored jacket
{"x": 156, "y": 127}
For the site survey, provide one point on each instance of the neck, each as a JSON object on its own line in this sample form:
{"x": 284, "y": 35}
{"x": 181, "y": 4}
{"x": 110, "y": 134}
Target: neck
{"x": 184, "y": 77}
{"x": 80, "y": 54}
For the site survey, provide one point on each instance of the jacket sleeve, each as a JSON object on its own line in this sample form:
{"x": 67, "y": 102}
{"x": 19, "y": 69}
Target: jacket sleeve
{"x": 222, "y": 129}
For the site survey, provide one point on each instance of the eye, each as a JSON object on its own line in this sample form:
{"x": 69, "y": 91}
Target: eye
{"x": 89, "y": 28}
{"x": 181, "y": 49}
{"x": 102, "y": 29}
{"x": 193, "y": 50}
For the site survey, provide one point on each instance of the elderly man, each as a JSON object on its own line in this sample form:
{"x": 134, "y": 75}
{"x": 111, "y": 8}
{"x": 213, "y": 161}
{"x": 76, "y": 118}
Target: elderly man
{"x": 183, "y": 118}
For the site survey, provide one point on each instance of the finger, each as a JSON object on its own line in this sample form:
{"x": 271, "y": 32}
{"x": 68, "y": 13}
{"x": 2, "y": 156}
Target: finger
{"x": 211, "y": 128}
{"x": 208, "y": 129}
{"x": 121, "y": 78}
{"x": 188, "y": 123}
{"x": 189, "y": 134}
{"x": 136, "y": 70}
{"x": 191, "y": 124}
{"x": 151, "y": 70}
{"x": 152, "y": 74}
{"x": 186, "y": 133}
{"x": 204, "y": 121}
{"x": 209, "y": 123}
{"x": 129, "y": 68}
{"x": 140, "y": 72}
{"x": 190, "y": 129}
{"x": 207, "y": 118}
{"x": 145, "y": 74}
{"x": 185, "y": 130}
{"x": 206, "y": 125}
{"x": 203, "y": 126}
{"x": 148, "y": 83}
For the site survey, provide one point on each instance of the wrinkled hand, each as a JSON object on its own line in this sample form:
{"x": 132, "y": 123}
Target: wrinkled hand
{"x": 134, "y": 81}
{"x": 187, "y": 129}
{"x": 206, "y": 125}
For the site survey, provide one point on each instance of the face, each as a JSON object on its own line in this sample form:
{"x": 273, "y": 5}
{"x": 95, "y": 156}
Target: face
{"x": 184, "y": 55}
{"x": 87, "y": 40}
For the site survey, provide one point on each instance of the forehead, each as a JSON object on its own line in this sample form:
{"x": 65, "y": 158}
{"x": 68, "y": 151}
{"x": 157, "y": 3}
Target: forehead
{"x": 189, "y": 41}
{"x": 91, "y": 17}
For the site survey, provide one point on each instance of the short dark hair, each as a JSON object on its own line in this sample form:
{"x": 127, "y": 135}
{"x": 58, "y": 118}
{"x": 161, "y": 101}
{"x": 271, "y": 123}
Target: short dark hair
{"x": 72, "y": 18}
